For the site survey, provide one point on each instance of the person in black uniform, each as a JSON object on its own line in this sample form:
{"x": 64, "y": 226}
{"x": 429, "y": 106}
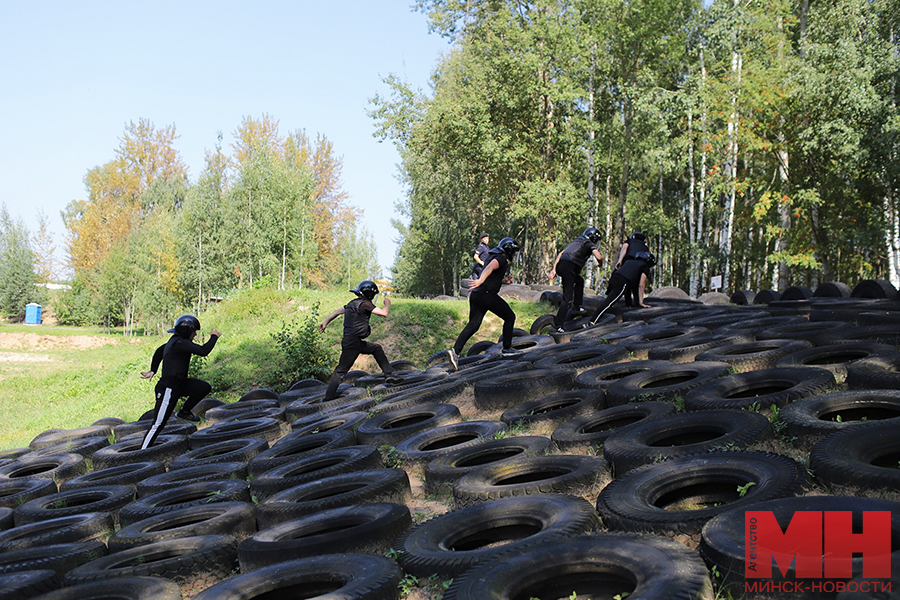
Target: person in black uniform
{"x": 356, "y": 329}
{"x": 175, "y": 356}
{"x": 481, "y": 255}
{"x": 630, "y": 249}
{"x": 632, "y": 272}
{"x": 484, "y": 297}
{"x": 568, "y": 266}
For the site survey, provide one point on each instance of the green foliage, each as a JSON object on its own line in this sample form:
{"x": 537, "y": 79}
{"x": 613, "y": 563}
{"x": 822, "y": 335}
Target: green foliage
{"x": 17, "y": 265}
{"x": 303, "y": 351}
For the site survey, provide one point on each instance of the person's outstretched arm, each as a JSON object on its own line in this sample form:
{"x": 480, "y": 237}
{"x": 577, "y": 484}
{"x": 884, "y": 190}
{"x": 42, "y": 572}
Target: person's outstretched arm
{"x": 383, "y": 312}
{"x": 330, "y": 318}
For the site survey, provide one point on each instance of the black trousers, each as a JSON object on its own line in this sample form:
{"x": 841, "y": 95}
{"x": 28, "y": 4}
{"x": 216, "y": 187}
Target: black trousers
{"x": 480, "y": 303}
{"x": 572, "y": 289}
{"x": 351, "y": 348}
{"x": 168, "y": 391}
{"x": 615, "y": 290}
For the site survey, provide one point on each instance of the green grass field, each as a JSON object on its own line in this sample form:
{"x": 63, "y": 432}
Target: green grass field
{"x": 65, "y": 377}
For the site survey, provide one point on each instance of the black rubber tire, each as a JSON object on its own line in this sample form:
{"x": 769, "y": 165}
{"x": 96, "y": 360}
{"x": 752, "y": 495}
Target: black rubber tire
{"x": 688, "y": 350}
{"x": 16, "y": 492}
{"x": 555, "y": 408}
{"x": 874, "y": 288}
{"x": 288, "y": 449}
{"x": 82, "y": 527}
{"x": 306, "y": 404}
{"x": 193, "y": 563}
{"x": 504, "y": 391}
{"x": 723, "y": 542}
{"x": 479, "y": 348}
{"x": 58, "y": 467}
{"x": 265, "y": 428}
{"x": 560, "y": 474}
{"x": 258, "y": 394}
{"x": 797, "y": 292}
{"x": 683, "y": 434}
{"x": 833, "y": 289}
{"x": 445, "y": 391}
{"x": 138, "y": 429}
{"x": 813, "y": 332}
{"x": 766, "y": 297}
{"x": 396, "y": 425}
{"x": 240, "y": 450}
{"x": 204, "y": 405}
{"x": 369, "y": 528}
{"x": 450, "y": 544}
{"x": 600, "y": 378}
{"x": 428, "y": 445}
{"x": 528, "y": 343}
{"x": 409, "y": 380}
{"x": 350, "y": 576}
{"x": 542, "y": 324}
{"x": 881, "y": 373}
{"x": 359, "y": 487}
{"x": 164, "y": 449}
{"x": 441, "y": 473}
{"x": 601, "y": 565}
{"x": 119, "y": 588}
{"x": 59, "y": 558}
{"x": 6, "y": 518}
{"x": 128, "y": 474}
{"x": 82, "y": 446}
{"x": 810, "y": 419}
{"x": 317, "y": 466}
{"x": 881, "y": 334}
{"x": 105, "y": 498}
{"x": 193, "y": 494}
{"x": 227, "y": 411}
{"x": 750, "y": 356}
{"x": 638, "y": 347}
{"x": 28, "y": 584}
{"x": 835, "y": 357}
{"x": 237, "y": 519}
{"x": 678, "y": 496}
{"x": 61, "y": 437}
{"x": 583, "y": 358}
{"x": 762, "y": 389}
{"x": 188, "y": 475}
{"x": 865, "y": 457}
{"x": 743, "y": 297}
{"x": 591, "y": 430}
{"x": 317, "y": 424}
{"x": 666, "y": 382}
{"x": 14, "y": 453}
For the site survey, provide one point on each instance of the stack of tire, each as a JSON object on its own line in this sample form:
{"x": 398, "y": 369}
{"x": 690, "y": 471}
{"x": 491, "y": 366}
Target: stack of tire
{"x": 619, "y": 461}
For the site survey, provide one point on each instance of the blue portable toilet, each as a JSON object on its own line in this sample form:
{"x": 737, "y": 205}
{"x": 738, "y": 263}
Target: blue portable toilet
{"x": 32, "y": 314}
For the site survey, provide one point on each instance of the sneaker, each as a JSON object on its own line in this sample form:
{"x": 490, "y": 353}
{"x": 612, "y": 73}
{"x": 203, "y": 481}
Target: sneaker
{"x": 510, "y": 352}
{"x": 187, "y": 416}
{"x": 555, "y": 329}
{"x": 454, "y": 359}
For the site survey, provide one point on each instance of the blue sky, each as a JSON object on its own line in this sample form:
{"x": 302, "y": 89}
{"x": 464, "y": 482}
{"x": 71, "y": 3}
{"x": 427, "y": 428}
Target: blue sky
{"x": 74, "y": 73}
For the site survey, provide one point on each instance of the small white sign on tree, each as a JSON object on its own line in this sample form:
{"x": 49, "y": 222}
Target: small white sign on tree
{"x": 716, "y": 282}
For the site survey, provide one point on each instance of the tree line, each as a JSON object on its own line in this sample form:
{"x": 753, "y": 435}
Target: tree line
{"x": 752, "y": 139}
{"x": 147, "y": 242}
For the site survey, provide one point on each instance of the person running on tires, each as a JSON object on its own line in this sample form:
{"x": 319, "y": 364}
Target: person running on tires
{"x": 174, "y": 383}
{"x": 485, "y": 297}
{"x": 356, "y": 330}
{"x": 481, "y": 255}
{"x": 632, "y": 272}
{"x": 568, "y": 266}
{"x": 634, "y": 244}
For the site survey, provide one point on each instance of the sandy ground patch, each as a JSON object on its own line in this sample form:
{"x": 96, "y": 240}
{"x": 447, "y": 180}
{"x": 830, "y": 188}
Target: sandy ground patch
{"x": 37, "y": 341}
{"x": 17, "y": 357}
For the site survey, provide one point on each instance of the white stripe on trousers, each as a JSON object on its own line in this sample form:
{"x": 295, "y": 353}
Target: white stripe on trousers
{"x": 160, "y": 415}
{"x": 605, "y": 308}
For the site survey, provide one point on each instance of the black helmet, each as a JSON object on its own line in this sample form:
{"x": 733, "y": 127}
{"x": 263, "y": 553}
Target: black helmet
{"x": 592, "y": 233}
{"x": 637, "y": 235}
{"x": 647, "y": 258}
{"x": 509, "y": 247}
{"x": 366, "y": 289}
{"x": 185, "y": 325}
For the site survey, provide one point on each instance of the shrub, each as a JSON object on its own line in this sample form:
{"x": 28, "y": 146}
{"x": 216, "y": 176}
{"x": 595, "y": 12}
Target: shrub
{"x": 303, "y": 351}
